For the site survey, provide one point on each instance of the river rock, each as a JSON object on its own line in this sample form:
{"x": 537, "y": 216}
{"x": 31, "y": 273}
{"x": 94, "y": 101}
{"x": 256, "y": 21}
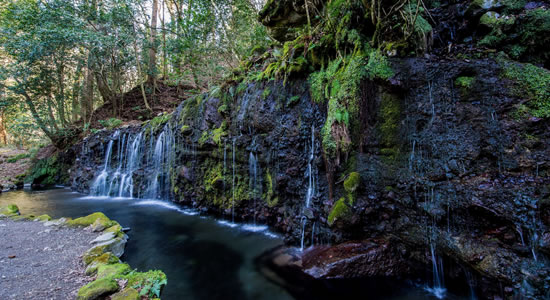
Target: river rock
{"x": 369, "y": 258}
{"x": 104, "y": 238}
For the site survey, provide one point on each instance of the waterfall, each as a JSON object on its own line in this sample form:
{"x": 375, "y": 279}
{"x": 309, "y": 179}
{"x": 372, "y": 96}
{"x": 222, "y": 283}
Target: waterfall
{"x": 162, "y": 160}
{"x": 471, "y": 283}
{"x": 137, "y": 152}
{"x": 438, "y": 288}
{"x": 99, "y": 186}
{"x": 233, "y": 185}
{"x": 254, "y": 184}
{"x": 311, "y": 185}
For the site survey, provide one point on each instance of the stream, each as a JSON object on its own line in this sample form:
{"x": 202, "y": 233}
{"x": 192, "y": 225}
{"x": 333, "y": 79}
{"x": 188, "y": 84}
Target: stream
{"x": 204, "y": 258}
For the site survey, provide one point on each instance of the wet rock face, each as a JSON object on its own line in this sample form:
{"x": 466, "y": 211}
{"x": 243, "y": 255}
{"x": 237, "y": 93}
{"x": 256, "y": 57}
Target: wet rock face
{"x": 369, "y": 258}
{"x": 442, "y": 157}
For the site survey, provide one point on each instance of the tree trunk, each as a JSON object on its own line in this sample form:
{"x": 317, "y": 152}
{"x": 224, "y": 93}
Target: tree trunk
{"x": 153, "y": 48}
{"x": 3, "y": 133}
{"x": 75, "y": 109}
{"x": 60, "y": 97}
{"x": 87, "y": 103}
{"x": 104, "y": 89}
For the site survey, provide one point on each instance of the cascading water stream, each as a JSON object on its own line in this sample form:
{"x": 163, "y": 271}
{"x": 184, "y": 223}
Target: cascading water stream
{"x": 438, "y": 288}
{"x": 233, "y": 185}
{"x": 311, "y": 186}
{"x": 130, "y": 149}
{"x": 254, "y": 183}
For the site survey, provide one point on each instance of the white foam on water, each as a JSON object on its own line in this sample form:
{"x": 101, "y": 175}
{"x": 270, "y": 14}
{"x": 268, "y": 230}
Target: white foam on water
{"x": 254, "y": 228}
{"x": 438, "y": 292}
{"x": 227, "y": 223}
{"x": 167, "y": 205}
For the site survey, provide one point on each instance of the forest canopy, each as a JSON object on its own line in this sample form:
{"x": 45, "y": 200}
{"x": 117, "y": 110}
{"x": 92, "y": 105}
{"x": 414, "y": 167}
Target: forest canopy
{"x": 63, "y": 59}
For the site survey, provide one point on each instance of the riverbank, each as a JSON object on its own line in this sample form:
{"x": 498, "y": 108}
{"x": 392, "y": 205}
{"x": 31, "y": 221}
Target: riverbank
{"x": 42, "y": 258}
{"x": 13, "y": 168}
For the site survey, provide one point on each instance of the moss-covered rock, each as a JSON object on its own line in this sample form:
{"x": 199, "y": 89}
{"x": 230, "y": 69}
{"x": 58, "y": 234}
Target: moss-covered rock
{"x": 115, "y": 246}
{"x": 126, "y": 294}
{"x": 98, "y": 219}
{"x": 10, "y": 210}
{"x": 97, "y": 289}
{"x": 49, "y": 171}
{"x": 115, "y": 271}
{"x": 104, "y": 259}
{"x": 42, "y": 218}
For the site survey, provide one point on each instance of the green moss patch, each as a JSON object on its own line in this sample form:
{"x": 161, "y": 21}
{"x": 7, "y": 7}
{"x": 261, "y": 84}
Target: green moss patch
{"x": 97, "y": 289}
{"x": 533, "y": 83}
{"x": 10, "y": 210}
{"x": 115, "y": 271}
{"x": 339, "y": 211}
{"x": 126, "y": 294}
{"x": 97, "y": 217}
{"x": 352, "y": 182}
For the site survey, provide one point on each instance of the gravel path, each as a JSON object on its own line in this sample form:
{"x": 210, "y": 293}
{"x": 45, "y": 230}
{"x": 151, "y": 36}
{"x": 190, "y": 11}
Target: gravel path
{"x": 38, "y": 262}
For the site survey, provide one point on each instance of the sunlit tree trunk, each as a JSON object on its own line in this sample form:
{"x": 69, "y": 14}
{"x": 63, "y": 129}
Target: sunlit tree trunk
{"x": 3, "y": 133}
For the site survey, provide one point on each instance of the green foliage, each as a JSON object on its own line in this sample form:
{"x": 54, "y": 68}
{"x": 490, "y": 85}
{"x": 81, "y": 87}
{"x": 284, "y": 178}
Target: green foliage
{"x": 110, "y": 123}
{"x": 18, "y": 157}
{"x": 149, "y": 283}
{"x": 465, "y": 82}
{"x": 532, "y": 82}
{"x": 340, "y": 84}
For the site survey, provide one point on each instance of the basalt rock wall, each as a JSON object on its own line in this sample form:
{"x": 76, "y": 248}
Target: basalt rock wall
{"x": 439, "y": 163}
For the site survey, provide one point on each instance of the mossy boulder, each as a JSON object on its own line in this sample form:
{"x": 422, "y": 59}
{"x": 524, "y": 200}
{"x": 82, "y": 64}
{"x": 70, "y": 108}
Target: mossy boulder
{"x": 116, "y": 229}
{"x": 126, "y": 294}
{"x": 115, "y": 271}
{"x": 10, "y": 210}
{"x": 115, "y": 246}
{"x": 104, "y": 259}
{"x": 98, "y": 220}
{"x": 97, "y": 289}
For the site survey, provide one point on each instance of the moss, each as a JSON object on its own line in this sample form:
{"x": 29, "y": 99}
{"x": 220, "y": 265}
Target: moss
{"x": 352, "y": 182}
{"x": 97, "y": 217}
{"x": 97, "y": 289}
{"x": 115, "y": 271}
{"x": 158, "y": 121}
{"x": 293, "y": 100}
{"x": 339, "y": 211}
{"x": 465, "y": 82}
{"x": 9, "y": 210}
{"x": 48, "y": 171}
{"x": 223, "y": 109}
{"x": 43, "y": 218}
{"x": 27, "y": 217}
{"x": 270, "y": 197}
{"x": 532, "y": 83}
{"x": 104, "y": 259}
{"x": 126, "y": 294}
{"x": 266, "y": 93}
{"x": 116, "y": 229}
{"x": 390, "y": 118}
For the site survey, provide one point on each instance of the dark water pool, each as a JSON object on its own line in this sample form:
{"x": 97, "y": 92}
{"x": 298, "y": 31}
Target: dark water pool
{"x": 203, "y": 258}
